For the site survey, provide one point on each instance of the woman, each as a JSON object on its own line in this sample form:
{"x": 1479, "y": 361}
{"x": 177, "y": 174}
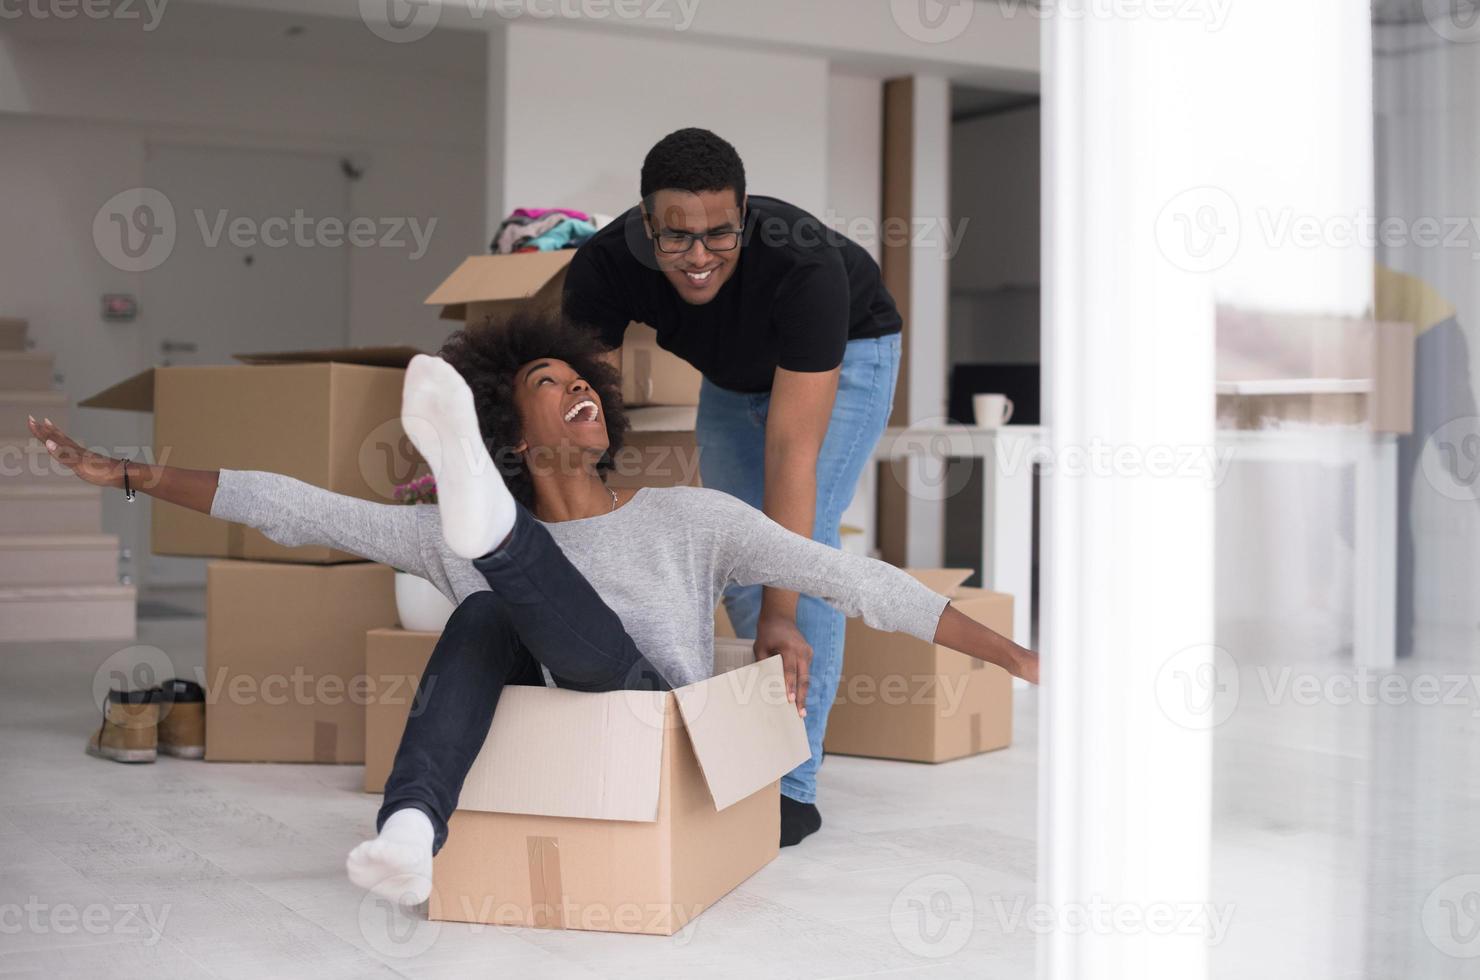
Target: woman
{"x": 553, "y": 570}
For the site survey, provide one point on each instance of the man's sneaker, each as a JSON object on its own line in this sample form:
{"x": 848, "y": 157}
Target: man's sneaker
{"x": 182, "y": 719}
{"x": 129, "y": 732}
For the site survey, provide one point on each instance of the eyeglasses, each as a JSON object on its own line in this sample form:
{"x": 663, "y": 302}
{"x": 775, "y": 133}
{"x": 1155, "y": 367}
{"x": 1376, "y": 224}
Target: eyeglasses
{"x": 678, "y": 242}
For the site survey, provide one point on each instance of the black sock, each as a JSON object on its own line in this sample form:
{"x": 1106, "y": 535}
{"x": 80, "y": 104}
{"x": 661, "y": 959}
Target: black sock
{"x": 798, "y": 820}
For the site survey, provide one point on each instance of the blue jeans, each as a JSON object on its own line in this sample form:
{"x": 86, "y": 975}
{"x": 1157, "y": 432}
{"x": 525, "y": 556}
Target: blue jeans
{"x": 540, "y": 611}
{"x": 731, "y": 434}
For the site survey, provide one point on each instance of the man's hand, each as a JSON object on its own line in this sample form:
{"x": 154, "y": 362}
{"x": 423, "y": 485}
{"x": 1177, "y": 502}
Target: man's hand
{"x": 778, "y": 636}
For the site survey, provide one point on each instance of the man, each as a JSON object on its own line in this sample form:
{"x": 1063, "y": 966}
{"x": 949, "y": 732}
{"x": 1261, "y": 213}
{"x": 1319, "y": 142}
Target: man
{"x": 798, "y": 342}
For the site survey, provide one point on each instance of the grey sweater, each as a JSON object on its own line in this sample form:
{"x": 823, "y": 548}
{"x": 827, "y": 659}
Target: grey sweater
{"x": 660, "y": 562}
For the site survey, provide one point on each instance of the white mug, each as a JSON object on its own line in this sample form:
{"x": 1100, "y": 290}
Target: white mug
{"x": 991, "y": 411}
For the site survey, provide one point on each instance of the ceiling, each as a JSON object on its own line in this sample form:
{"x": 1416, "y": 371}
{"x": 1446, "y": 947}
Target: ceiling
{"x": 223, "y": 31}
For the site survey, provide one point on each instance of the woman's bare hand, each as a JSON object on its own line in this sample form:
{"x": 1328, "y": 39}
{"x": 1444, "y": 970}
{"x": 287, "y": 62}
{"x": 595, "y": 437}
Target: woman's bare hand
{"x": 99, "y": 470}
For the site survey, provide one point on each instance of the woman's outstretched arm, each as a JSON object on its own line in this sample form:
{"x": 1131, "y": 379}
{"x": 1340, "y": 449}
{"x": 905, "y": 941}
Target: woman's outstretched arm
{"x": 195, "y": 489}
{"x": 885, "y": 597}
{"x": 288, "y": 511}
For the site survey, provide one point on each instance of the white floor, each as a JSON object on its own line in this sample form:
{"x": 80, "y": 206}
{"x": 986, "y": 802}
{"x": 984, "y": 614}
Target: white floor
{"x": 1344, "y": 833}
{"x": 242, "y": 865}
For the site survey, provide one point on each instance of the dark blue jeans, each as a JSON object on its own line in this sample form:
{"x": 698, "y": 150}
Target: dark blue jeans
{"x": 541, "y": 611}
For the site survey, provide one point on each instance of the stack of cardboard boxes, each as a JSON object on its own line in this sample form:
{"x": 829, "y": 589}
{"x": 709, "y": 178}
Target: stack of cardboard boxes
{"x": 285, "y": 627}
{"x": 659, "y": 389}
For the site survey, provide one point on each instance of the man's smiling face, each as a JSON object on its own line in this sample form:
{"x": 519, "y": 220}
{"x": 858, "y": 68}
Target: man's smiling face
{"x": 697, "y": 273}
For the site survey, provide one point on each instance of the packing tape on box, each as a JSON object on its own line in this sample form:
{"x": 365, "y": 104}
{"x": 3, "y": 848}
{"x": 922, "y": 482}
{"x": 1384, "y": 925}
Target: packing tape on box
{"x": 325, "y": 741}
{"x": 546, "y": 891}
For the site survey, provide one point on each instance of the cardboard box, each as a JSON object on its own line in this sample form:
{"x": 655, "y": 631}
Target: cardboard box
{"x": 623, "y": 812}
{"x": 395, "y": 659}
{"x": 652, "y": 375}
{"x": 495, "y": 285}
{"x": 903, "y": 698}
{"x": 330, "y": 418}
{"x": 1275, "y": 369}
{"x": 285, "y": 659}
{"x": 659, "y": 450}
{"x": 486, "y": 286}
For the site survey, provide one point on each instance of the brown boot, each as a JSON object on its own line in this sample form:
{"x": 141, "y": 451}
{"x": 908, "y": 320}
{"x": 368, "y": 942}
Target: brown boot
{"x": 129, "y": 731}
{"x": 182, "y": 719}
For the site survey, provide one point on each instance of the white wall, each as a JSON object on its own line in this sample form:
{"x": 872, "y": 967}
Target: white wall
{"x": 76, "y": 123}
{"x": 855, "y": 142}
{"x": 417, "y": 136}
{"x": 583, "y": 108}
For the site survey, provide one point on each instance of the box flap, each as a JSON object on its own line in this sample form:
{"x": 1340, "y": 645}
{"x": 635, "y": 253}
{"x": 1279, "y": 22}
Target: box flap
{"x": 486, "y": 278}
{"x": 943, "y": 580}
{"x": 745, "y": 733}
{"x": 397, "y": 357}
{"x": 135, "y": 394}
{"x": 559, "y": 753}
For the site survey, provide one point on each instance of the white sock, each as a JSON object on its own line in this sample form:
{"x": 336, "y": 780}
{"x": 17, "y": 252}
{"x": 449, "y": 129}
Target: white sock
{"x": 398, "y": 864}
{"x": 438, "y": 415}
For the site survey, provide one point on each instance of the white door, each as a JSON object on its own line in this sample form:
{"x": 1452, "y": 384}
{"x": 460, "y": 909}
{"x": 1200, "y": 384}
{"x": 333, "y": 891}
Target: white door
{"x": 253, "y": 268}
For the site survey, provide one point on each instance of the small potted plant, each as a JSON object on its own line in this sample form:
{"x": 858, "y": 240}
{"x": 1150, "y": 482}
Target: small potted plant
{"x": 418, "y": 603}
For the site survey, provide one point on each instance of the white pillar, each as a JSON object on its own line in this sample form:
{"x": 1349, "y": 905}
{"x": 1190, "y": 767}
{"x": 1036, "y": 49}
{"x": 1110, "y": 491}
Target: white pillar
{"x": 929, "y": 306}
{"x": 1128, "y": 560}
{"x": 1176, "y": 137}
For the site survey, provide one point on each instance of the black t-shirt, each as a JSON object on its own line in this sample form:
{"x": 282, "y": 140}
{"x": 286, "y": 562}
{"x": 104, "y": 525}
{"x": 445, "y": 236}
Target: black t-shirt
{"x": 799, "y": 292}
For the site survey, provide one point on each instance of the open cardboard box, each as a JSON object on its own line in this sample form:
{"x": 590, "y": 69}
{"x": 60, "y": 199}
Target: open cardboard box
{"x": 902, "y": 698}
{"x": 328, "y": 417}
{"x": 494, "y": 286}
{"x": 628, "y": 811}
